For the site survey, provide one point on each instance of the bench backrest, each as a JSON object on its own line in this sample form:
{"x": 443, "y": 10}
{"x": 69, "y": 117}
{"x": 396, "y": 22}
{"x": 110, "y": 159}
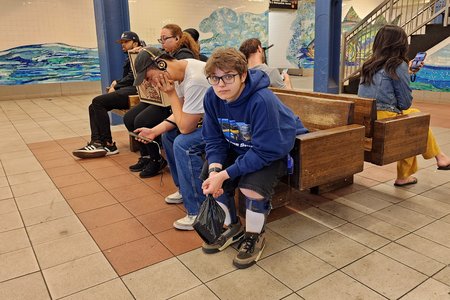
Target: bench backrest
{"x": 316, "y": 113}
{"x": 365, "y": 112}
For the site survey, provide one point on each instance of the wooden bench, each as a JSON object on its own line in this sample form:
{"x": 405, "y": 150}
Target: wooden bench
{"x": 133, "y": 100}
{"x": 386, "y": 140}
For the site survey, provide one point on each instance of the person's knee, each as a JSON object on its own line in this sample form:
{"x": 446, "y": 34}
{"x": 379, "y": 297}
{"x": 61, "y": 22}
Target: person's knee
{"x": 261, "y": 206}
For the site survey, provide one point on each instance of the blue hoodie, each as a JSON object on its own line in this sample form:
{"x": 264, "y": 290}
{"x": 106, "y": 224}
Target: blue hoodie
{"x": 257, "y": 126}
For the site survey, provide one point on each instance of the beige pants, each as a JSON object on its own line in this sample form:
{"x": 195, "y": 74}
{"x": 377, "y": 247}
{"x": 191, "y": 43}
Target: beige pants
{"x": 407, "y": 167}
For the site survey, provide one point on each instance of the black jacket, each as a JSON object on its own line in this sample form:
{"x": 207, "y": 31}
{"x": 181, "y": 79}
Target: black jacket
{"x": 127, "y": 76}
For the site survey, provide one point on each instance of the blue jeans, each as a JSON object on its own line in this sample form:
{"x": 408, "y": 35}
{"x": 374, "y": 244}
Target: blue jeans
{"x": 184, "y": 155}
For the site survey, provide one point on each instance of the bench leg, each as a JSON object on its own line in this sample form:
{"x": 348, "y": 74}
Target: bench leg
{"x": 134, "y": 145}
{"x": 328, "y": 187}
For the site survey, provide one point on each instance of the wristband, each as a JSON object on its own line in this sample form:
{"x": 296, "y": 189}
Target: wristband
{"x": 214, "y": 169}
{"x": 171, "y": 122}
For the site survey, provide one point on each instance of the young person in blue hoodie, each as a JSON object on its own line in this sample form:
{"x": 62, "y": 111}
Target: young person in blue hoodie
{"x": 248, "y": 134}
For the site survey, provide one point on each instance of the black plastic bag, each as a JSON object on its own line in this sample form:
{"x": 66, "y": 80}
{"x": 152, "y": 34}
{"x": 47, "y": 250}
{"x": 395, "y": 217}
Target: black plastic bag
{"x": 209, "y": 221}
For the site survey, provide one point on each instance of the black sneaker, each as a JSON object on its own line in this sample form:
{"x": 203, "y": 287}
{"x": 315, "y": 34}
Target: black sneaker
{"x": 91, "y": 150}
{"x": 140, "y": 165}
{"x": 250, "y": 250}
{"x": 111, "y": 149}
{"x": 153, "y": 168}
{"x": 230, "y": 235}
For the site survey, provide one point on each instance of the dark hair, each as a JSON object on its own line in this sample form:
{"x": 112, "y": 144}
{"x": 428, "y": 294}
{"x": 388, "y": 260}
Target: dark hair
{"x": 193, "y": 32}
{"x": 226, "y": 59}
{"x": 388, "y": 51}
{"x": 185, "y": 40}
{"x": 250, "y": 46}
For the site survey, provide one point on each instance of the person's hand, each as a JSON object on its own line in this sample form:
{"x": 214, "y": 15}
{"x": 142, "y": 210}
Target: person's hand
{"x": 213, "y": 185}
{"x": 164, "y": 83}
{"x": 111, "y": 87}
{"x": 148, "y": 133}
{"x": 136, "y": 49}
{"x": 416, "y": 68}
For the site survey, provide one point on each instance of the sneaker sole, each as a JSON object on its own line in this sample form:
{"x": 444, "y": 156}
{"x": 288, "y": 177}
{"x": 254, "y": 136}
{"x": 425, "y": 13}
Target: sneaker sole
{"x": 183, "y": 227}
{"x": 249, "y": 264}
{"x": 89, "y": 154}
{"x": 224, "y": 246}
{"x": 173, "y": 201}
{"x": 108, "y": 153}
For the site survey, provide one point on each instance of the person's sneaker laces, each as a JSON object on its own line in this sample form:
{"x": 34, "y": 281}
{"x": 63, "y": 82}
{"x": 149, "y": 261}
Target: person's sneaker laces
{"x": 185, "y": 223}
{"x": 230, "y": 235}
{"x": 111, "y": 149}
{"x": 140, "y": 165}
{"x": 174, "y": 198}
{"x": 250, "y": 250}
{"x": 153, "y": 167}
{"x": 91, "y": 150}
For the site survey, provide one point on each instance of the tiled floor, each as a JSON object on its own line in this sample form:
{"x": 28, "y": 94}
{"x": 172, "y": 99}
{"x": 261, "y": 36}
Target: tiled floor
{"x": 90, "y": 229}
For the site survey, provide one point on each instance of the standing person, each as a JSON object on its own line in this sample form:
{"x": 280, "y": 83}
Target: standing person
{"x": 101, "y": 143}
{"x": 254, "y": 53}
{"x": 385, "y": 76}
{"x": 249, "y": 134}
{"x": 196, "y": 35}
{"x": 184, "y": 85}
{"x": 180, "y": 45}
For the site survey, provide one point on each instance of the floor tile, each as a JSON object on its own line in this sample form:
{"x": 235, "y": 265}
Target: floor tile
{"x": 77, "y": 275}
{"x": 338, "y": 286}
{"x": 59, "y": 162}
{"x": 119, "y": 181}
{"x": 274, "y": 243}
{"x": 209, "y": 266}
{"x": 335, "y": 248}
{"x": 443, "y": 275}
{"x": 113, "y": 289}
{"x": 200, "y": 292}
{"x": 17, "y": 263}
{"x": 384, "y": 275}
{"x": 415, "y": 260}
{"x": 404, "y": 218}
{"x": 5, "y": 193}
{"x": 380, "y": 227}
{"x": 72, "y": 179}
{"x": 145, "y": 252}
{"x": 295, "y": 267}
{"x": 103, "y": 216}
{"x": 46, "y": 213}
{"x": 297, "y": 228}
{"x": 91, "y": 201}
{"x": 45, "y": 156}
{"x": 13, "y": 240}
{"x": 7, "y": 206}
{"x": 98, "y": 163}
{"x": 119, "y": 233}
{"x": 127, "y": 193}
{"x": 32, "y": 187}
{"x": 30, "y": 286}
{"x": 27, "y": 177}
{"x": 21, "y": 165}
{"x": 427, "y": 206}
{"x": 83, "y": 189}
{"x": 430, "y": 289}
{"x": 47, "y": 197}
{"x": 65, "y": 250}
{"x": 426, "y": 247}
{"x": 362, "y": 236}
{"x": 437, "y": 232}
{"x": 322, "y": 217}
{"x": 53, "y": 230}
{"x": 145, "y": 205}
{"x": 156, "y": 281}
{"x": 161, "y": 220}
{"x": 10, "y": 221}
{"x": 107, "y": 172}
{"x": 252, "y": 283}
{"x": 179, "y": 241}
{"x": 362, "y": 202}
{"x": 65, "y": 170}
{"x": 342, "y": 211}
{"x": 440, "y": 193}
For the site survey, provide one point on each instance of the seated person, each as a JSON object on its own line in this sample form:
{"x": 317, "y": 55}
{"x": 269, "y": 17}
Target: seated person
{"x": 256, "y": 59}
{"x": 101, "y": 143}
{"x": 196, "y": 35}
{"x": 249, "y": 134}
{"x": 385, "y": 76}
{"x": 180, "y": 45}
{"x": 184, "y": 83}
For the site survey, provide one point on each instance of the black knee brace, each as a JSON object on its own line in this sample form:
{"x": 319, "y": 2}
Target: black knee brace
{"x": 260, "y": 206}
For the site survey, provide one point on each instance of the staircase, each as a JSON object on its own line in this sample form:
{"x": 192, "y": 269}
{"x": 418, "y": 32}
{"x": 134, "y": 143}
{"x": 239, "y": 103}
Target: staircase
{"x": 416, "y": 17}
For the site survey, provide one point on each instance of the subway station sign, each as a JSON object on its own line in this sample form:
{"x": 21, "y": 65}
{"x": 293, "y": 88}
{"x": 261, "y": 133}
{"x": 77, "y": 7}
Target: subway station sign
{"x": 288, "y": 4}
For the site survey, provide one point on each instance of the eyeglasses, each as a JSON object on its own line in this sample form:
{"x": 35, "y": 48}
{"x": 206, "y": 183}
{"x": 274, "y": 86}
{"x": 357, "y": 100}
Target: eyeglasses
{"x": 163, "y": 39}
{"x": 227, "y": 79}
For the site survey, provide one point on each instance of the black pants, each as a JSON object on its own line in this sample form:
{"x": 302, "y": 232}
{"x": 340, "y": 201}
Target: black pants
{"x": 146, "y": 115}
{"x": 98, "y": 112}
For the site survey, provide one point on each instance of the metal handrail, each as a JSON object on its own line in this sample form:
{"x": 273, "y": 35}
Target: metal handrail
{"x": 411, "y": 15}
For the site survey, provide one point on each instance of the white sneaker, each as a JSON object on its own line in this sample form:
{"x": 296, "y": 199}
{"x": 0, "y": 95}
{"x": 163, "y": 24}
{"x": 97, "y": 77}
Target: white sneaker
{"x": 185, "y": 223}
{"x": 174, "y": 198}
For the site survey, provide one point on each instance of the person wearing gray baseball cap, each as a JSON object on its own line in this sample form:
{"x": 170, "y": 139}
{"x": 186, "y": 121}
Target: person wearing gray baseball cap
{"x": 184, "y": 84}
{"x": 101, "y": 142}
